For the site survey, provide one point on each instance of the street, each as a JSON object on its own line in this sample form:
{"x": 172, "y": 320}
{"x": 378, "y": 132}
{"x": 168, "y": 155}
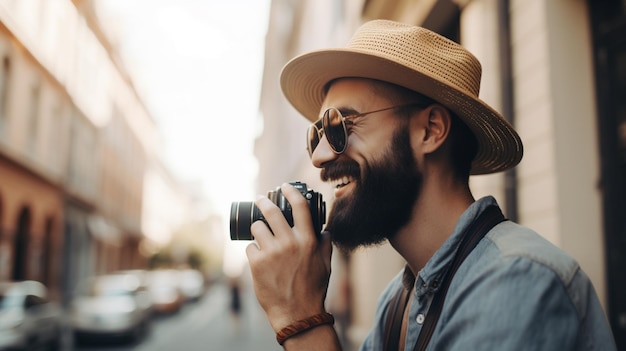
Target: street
{"x": 205, "y": 325}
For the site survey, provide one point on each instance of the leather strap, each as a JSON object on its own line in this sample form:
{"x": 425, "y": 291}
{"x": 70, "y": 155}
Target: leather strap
{"x": 393, "y": 326}
{"x": 488, "y": 219}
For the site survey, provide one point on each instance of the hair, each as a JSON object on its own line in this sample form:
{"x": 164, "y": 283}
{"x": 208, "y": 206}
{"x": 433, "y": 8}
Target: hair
{"x": 463, "y": 148}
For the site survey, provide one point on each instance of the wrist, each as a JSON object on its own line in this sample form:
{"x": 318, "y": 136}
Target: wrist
{"x": 304, "y": 325}
{"x": 284, "y": 315}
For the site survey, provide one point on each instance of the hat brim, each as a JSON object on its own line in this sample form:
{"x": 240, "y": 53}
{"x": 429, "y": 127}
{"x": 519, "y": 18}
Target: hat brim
{"x": 304, "y": 78}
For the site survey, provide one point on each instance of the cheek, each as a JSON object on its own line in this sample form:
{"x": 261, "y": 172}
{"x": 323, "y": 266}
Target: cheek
{"x": 369, "y": 144}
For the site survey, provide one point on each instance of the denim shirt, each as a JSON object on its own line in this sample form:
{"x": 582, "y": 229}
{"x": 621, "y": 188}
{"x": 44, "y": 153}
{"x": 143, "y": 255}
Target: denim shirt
{"x": 514, "y": 291}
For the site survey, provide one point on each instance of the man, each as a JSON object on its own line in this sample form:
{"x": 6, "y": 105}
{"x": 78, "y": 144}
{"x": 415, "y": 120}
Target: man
{"x": 398, "y": 128}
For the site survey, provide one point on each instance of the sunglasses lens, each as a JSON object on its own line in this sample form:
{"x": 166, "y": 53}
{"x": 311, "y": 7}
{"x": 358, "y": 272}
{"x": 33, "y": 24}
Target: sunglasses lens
{"x": 335, "y": 130}
{"x": 313, "y": 138}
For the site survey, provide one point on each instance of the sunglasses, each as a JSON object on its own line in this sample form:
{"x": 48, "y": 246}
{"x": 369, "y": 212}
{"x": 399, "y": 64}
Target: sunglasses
{"x": 333, "y": 125}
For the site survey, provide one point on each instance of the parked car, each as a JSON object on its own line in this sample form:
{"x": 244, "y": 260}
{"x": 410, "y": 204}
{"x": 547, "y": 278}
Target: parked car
{"x": 144, "y": 284}
{"x": 111, "y": 306}
{"x": 28, "y": 319}
{"x": 167, "y": 297}
{"x": 191, "y": 283}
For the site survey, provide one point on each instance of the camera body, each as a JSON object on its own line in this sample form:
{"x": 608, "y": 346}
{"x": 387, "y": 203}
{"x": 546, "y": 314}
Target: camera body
{"x": 243, "y": 214}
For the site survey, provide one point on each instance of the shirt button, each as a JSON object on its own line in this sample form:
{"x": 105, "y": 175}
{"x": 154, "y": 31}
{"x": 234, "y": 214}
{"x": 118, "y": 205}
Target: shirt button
{"x": 420, "y": 318}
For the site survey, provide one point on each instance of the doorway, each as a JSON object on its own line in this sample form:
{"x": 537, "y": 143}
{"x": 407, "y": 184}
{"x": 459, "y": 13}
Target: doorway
{"x": 22, "y": 236}
{"x": 608, "y": 20}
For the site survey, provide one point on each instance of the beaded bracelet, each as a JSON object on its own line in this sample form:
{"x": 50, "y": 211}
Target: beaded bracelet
{"x": 304, "y": 325}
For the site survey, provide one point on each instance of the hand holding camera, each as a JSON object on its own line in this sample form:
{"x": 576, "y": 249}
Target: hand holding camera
{"x": 290, "y": 260}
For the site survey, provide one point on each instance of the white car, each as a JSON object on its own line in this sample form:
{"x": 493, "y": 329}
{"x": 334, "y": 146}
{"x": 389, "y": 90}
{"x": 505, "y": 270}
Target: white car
{"x": 165, "y": 292}
{"x": 114, "y": 305}
{"x": 28, "y": 320}
{"x": 191, "y": 284}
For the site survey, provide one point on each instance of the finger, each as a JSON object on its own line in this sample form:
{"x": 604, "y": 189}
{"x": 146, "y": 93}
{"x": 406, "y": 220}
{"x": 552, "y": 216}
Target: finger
{"x": 261, "y": 233}
{"x": 273, "y": 215}
{"x": 252, "y": 251}
{"x": 300, "y": 207}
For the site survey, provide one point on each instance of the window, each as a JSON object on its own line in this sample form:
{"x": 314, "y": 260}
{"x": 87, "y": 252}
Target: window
{"x": 32, "y": 122}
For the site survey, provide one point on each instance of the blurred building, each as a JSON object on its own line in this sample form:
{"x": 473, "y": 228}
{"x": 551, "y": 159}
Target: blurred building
{"x": 81, "y": 179}
{"x": 555, "y": 68}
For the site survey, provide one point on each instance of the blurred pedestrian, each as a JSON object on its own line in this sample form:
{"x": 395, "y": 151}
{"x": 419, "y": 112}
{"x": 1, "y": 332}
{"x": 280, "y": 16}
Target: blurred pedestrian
{"x": 235, "y": 298}
{"x": 398, "y": 128}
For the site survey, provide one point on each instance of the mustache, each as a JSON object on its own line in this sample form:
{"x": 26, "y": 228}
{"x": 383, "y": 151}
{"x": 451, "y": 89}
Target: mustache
{"x": 339, "y": 169}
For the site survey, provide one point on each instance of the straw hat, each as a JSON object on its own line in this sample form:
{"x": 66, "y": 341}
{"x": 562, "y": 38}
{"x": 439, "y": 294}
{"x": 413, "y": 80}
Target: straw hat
{"x": 417, "y": 59}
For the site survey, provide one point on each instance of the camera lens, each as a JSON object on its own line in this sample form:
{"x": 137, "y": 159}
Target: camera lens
{"x": 242, "y": 215}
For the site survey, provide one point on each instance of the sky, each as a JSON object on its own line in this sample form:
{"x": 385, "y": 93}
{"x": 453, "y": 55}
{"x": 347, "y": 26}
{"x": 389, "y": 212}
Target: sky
{"x": 198, "y": 65}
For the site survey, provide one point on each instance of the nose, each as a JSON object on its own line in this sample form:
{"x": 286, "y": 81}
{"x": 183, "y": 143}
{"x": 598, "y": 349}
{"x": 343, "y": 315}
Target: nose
{"x": 322, "y": 153}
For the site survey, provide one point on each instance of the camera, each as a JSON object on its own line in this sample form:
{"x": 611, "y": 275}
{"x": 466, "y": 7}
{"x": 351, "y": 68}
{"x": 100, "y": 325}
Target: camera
{"x": 243, "y": 214}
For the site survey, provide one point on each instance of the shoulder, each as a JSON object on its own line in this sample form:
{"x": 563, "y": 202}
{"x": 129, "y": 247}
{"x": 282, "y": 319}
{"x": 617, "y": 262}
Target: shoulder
{"x": 517, "y": 255}
{"x": 517, "y": 288}
{"x": 520, "y": 258}
{"x": 512, "y": 240}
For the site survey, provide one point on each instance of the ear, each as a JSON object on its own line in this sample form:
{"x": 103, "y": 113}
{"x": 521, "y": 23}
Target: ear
{"x": 434, "y": 124}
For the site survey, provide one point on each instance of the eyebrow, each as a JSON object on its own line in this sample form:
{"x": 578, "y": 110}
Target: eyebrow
{"x": 348, "y": 111}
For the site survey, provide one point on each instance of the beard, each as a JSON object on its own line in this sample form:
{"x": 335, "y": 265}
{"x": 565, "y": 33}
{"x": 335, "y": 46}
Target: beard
{"x": 382, "y": 200}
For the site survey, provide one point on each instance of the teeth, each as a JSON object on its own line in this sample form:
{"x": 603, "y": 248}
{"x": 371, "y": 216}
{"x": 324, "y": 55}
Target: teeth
{"x": 345, "y": 180}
